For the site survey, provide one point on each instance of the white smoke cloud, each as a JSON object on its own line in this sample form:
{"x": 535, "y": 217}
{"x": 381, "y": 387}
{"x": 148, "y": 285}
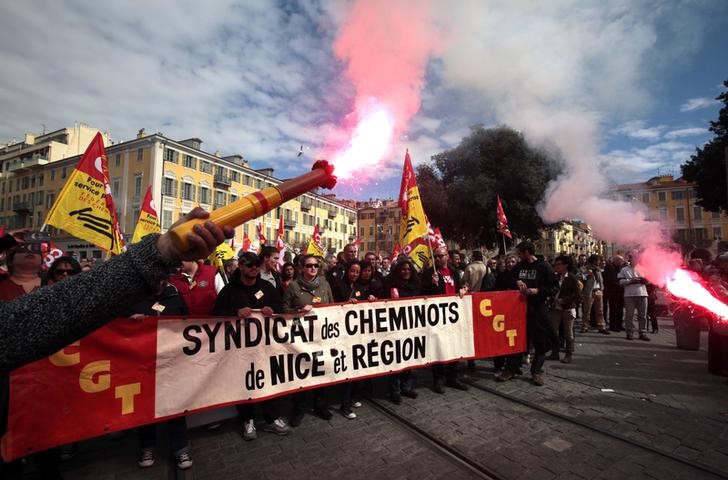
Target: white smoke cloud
{"x": 560, "y": 71}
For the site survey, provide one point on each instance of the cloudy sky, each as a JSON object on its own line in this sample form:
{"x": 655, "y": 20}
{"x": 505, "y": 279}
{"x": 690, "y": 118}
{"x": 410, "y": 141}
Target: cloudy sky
{"x": 627, "y": 89}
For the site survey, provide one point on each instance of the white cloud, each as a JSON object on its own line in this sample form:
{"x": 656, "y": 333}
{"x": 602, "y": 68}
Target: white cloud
{"x": 697, "y": 104}
{"x": 625, "y": 166}
{"x": 686, "y": 132}
{"x": 637, "y": 129}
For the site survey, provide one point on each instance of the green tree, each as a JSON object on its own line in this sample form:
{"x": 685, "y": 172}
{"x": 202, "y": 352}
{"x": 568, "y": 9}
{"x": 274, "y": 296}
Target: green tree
{"x": 707, "y": 167}
{"x": 459, "y": 187}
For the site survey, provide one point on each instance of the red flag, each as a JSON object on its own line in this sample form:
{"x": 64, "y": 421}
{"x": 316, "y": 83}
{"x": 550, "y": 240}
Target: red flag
{"x": 314, "y": 245}
{"x": 232, "y": 241}
{"x": 280, "y": 245}
{"x": 502, "y": 221}
{"x": 247, "y": 244}
{"x": 395, "y": 253}
{"x": 2, "y": 230}
{"x": 261, "y": 237}
{"x": 51, "y": 255}
{"x": 357, "y": 242}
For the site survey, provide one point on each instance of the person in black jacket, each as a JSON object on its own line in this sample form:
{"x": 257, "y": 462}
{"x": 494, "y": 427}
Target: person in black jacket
{"x": 166, "y": 301}
{"x": 369, "y": 282}
{"x": 247, "y": 292}
{"x": 402, "y": 282}
{"x": 535, "y": 280}
{"x": 344, "y": 289}
{"x": 443, "y": 278}
{"x": 505, "y": 280}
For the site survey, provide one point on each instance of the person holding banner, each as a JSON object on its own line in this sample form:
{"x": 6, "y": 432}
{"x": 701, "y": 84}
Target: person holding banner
{"x": 58, "y": 315}
{"x": 305, "y": 292}
{"x": 443, "y": 279}
{"x": 402, "y": 282}
{"x": 166, "y": 301}
{"x": 246, "y": 292}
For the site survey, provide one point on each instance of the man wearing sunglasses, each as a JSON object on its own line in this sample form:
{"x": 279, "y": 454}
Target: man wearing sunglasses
{"x": 247, "y": 292}
{"x": 443, "y": 279}
{"x": 305, "y": 292}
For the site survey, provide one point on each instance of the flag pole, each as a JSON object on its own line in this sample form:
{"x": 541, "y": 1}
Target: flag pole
{"x": 503, "y": 236}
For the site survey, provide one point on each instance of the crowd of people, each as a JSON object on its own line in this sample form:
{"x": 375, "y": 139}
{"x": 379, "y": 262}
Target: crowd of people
{"x": 563, "y": 296}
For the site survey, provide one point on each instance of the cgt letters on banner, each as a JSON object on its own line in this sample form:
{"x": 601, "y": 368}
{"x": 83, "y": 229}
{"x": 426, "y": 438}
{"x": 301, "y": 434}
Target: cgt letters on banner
{"x": 133, "y": 372}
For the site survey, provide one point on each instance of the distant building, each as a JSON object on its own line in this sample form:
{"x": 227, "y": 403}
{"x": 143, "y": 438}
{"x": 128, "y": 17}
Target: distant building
{"x": 182, "y": 176}
{"x": 569, "y": 237}
{"x": 378, "y": 222}
{"x": 672, "y": 202}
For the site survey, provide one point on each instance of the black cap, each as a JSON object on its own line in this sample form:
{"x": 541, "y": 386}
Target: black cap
{"x": 248, "y": 259}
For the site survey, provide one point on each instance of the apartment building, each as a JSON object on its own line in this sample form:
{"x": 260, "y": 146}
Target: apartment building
{"x": 181, "y": 174}
{"x": 672, "y": 202}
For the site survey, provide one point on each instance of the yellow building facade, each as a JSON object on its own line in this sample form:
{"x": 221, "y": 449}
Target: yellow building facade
{"x": 182, "y": 176}
{"x": 378, "y": 222}
{"x": 671, "y": 202}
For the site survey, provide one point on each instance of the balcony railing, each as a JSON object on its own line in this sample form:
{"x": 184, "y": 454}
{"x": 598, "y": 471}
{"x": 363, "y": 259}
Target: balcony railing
{"x": 22, "y": 207}
{"x": 222, "y": 181}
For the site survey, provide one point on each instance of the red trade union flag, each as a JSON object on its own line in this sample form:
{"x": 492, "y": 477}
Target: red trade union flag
{"x": 51, "y": 255}
{"x": 395, "y": 253}
{"x": 280, "y": 244}
{"x": 148, "y": 219}
{"x": 84, "y": 207}
{"x": 261, "y": 237}
{"x": 503, "y": 221}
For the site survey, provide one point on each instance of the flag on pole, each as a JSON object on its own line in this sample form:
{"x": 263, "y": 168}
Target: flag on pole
{"x": 232, "y": 241}
{"x": 502, "y": 220}
{"x": 314, "y": 245}
{"x": 280, "y": 244}
{"x": 413, "y": 227}
{"x": 148, "y": 219}
{"x": 85, "y": 208}
{"x": 261, "y": 238}
{"x": 221, "y": 253}
{"x": 395, "y": 253}
{"x": 248, "y": 245}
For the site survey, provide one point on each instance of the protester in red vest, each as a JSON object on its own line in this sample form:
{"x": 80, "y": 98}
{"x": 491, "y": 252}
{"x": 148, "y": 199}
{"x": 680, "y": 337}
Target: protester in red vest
{"x": 196, "y": 283}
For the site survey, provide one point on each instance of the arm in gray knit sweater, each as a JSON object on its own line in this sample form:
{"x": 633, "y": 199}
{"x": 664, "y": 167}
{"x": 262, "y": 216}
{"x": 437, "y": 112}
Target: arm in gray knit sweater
{"x": 41, "y": 323}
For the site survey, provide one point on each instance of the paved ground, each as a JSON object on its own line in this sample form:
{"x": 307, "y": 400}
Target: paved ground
{"x": 661, "y": 396}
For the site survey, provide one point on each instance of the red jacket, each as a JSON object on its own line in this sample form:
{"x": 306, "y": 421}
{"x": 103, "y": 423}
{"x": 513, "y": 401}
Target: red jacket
{"x": 198, "y": 292}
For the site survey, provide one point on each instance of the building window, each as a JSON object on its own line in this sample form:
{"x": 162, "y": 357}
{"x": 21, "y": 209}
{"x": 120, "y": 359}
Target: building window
{"x": 40, "y": 180}
{"x": 205, "y": 195}
{"x": 205, "y": 167}
{"x": 219, "y": 199}
{"x": 169, "y": 187}
{"x": 115, "y": 187}
{"x": 137, "y": 187}
{"x": 679, "y": 214}
{"x": 166, "y": 218}
{"x": 26, "y": 182}
{"x": 50, "y": 198}
{"x": 63, "y": 172}
{"x": 663, "y": 214}
{"x": 140, "y": 154}
{"x": 32, "y": 181}
{"x": 715, "y": 215}
{"x": 661, "y": 196}
{"x": 645, "y": 198}
{"x": 39, "y": 199}
{"x": 677, "y": 195}
{"x": 170, "y": 155}
{"x": 188, "y": 191}
{"x": 233, "y": 198}
{"x": 235, "y": 176}
{"x": 698, "y": 214}
{"x": 190, "y": 162}
{"x": 53, "y": 175}
{"x": 117, "y": 159}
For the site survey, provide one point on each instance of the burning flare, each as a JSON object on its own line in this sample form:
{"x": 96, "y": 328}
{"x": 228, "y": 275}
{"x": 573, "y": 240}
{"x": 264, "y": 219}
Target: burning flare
{"x": 682, "y": 285}
{"x": 369, "y": 143}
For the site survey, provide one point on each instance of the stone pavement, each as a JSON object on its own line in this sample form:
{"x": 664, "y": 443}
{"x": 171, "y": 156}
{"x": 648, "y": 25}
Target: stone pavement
{"x": 661, "y": 396}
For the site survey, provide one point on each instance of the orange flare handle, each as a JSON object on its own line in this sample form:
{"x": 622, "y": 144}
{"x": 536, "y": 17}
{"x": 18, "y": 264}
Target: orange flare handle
{"x": 259, "y": 203}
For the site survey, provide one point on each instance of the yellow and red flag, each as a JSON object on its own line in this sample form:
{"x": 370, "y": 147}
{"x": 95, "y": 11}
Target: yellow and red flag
{"x": 314, "y": 245}
{"x": 413, "y": 227}
{"x": 85, "y": 208}
{"x": 148, "y": 219}
{"x": 502, "y": 220}
{"x": 280, "y": 244}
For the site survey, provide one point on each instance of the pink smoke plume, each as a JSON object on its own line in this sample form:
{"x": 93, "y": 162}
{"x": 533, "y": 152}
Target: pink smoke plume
{"x": 386, "y": 46}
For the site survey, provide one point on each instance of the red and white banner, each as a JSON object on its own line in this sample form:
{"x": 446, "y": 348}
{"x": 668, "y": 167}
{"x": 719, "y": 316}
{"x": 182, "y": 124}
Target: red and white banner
{"x": 135, "y": 372}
